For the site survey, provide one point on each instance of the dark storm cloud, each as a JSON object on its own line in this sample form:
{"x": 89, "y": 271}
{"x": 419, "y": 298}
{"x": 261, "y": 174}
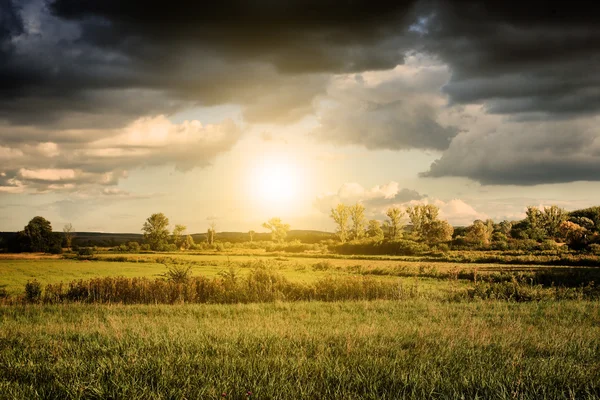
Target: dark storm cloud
{"x": 524, "y": 153}
{"x": 75, "y": 60}
{"x": 296, "y": 36}
{"x": 531, "y": 58}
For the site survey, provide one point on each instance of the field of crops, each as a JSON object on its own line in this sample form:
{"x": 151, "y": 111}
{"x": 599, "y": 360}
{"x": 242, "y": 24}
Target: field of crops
{"x": 297, "y": 327}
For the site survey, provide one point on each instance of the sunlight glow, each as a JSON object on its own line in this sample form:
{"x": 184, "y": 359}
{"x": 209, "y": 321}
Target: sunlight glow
{"x": 276, "y": 182}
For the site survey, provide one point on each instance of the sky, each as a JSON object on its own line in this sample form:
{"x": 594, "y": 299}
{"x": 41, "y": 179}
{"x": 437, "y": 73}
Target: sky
{"x": 234, "y": 112}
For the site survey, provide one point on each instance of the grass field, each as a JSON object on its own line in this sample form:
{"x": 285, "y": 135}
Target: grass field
{"x": 351, "y": 350}
{"x": 434, "y": 341}
{"x": 15, "y": 272}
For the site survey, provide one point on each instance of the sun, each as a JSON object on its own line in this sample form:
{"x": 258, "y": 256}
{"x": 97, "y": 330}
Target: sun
{"x": 276, "y": 182}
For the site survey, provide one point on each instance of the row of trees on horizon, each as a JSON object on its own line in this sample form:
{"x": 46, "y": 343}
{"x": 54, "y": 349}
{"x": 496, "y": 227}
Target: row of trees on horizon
{"x": 420, "y": 223}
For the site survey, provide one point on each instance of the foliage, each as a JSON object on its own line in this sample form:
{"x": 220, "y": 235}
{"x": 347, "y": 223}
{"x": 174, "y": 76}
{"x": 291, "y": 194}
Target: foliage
{"x": 156, "y": 232}
{"x": 357, "y": 215}
{"x": 69, "y": 234}
{"x": 278, "y": 229}
{"x": 341, "y": 215}
{"x": 211, "y": 233}
{"x": 188, "y": 243}
{"x": 395, "y": 222}
{"x": 178, "y": 235}
{"x": 86, "y": 252}
{"x": 33, "y": 291}
{"x": 38, "y": 235}
{"x": 437, "y": 231}
{"x": 258, "y": 286}
{"x": 374, "y": 230}
{"x": 389, "y": 247}
{"x": 480, "y": 233}
{"x": 178, "y": 273}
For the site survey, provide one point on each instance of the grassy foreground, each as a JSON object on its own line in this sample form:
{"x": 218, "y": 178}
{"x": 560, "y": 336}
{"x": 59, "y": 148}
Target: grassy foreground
{"x": 348, "y": 350}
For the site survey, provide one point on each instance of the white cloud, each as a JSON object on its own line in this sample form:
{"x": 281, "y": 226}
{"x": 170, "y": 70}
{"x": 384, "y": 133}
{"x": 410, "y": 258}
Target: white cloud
{"x": 47, "y": 174}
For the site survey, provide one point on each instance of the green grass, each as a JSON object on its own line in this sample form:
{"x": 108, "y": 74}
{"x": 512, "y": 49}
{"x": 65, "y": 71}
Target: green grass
{"x": 351, "y": 350}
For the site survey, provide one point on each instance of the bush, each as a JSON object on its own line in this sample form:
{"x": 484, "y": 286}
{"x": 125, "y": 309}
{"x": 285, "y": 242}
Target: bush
{"x": 33, "y": 291}
{"x": 86, "y": 252}
{"x": 55, "y": 248}
{"x": 388, "y": 247}
{"x": 178, "y": 273}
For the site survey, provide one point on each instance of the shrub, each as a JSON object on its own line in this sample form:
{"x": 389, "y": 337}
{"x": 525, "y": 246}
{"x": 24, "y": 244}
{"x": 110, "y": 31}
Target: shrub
{"x": 178, "y": 273}
{"x": 322, "y": 266}
{"x": 33, "y": 291}
{"x": 85, "y": 252}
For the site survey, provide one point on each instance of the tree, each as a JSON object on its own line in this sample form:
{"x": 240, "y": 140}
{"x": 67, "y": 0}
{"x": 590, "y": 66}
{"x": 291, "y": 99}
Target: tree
{"x": 504, "y": 227}
{"x": 551, "y": 218}
{"x": 438, "y": 231}
{"x": 188, "y": 243}
{"x": 211, "y": 233}
{"x": 251, "y": 234}
{"x": 156, "y": 231}
{"x": 178, "y": 238}
{"x": 374, "y": 230}
{"x": 575, "y": 235}
{"x": 69, "y": 234}
{"x": 38, "y": 235}
{"x": 480, "y": 233}
{"x": 278, "y": 229}
{"x": 340, "y": 215}
{"x": 395, "y": 224}
{"x": 421, "y": 217}
{"x": 535, "y": 224}
{"x": 357, "y": 214}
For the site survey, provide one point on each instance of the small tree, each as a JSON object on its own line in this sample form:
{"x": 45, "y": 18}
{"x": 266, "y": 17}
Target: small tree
{"x": 251, "y": 234}
{"x": 357, "y": 214}
{"x": 421, "y": 217}
{"x": 395, "y": 222}
{"x": 480, "y": 233}
{"x": 535, "y": 224}
{"x": 341, "y": 215}
{"x": 551, "y": 218}
{"x": 69, "y": 234}
{"x": 37, "y": 235}
{"x": 211, "y": 233}
{"x": 178, "y": 237}
{"x": 188, "y": 243}
{"x": 374, "y": 230}
{"x": 278, "y": 229}
{"x": 156, "y": 232}
{"x": 438, "y": 231}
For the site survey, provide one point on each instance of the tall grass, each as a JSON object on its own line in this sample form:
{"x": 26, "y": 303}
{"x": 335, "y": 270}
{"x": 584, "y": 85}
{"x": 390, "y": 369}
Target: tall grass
{"x": 259, "y": 285}
{"x": 351, "y": 350}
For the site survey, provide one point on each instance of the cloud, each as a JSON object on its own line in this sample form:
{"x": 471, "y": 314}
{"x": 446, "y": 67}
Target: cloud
{"x": 103, "y": 161}
{"x": 529, "y": 60}
{"x": 395, "y": 110}
{"x": 104, "y": 63}
{"x": 379, "y": 197}
{"x": 523, "y": 153}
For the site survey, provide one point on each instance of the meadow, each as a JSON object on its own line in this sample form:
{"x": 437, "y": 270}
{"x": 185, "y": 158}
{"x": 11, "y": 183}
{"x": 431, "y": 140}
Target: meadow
{"x": 283, "y": 327}
{"x": 345, "y": 350}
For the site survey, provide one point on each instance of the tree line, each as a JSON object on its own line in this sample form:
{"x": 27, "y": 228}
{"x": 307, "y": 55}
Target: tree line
{"x": 426, "y": 225}
{"x": 549, "y": 226}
